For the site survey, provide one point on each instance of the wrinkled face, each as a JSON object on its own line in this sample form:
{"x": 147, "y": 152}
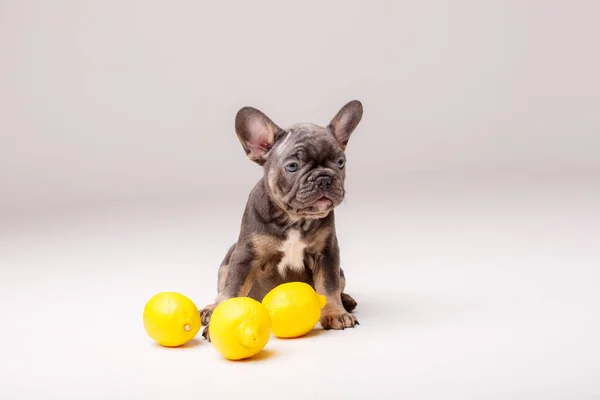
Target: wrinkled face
{"x": 304, "y": 164}
{"x": 306, "y": 170}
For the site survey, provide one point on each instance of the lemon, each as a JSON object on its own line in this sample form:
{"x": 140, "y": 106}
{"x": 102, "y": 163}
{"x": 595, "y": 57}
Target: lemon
{"x": 240, "y": 327}
{"x": 295, "y": 309}
{"x": 171, "y": 319}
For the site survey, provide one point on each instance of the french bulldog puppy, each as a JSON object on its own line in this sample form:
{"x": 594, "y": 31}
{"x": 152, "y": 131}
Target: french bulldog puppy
{"x": 288, "y": 227}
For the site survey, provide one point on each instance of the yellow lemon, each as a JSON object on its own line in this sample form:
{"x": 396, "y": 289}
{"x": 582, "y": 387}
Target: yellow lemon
{"x": 171, "y": 319}
{"x": 240, "y": 328}
{"x": 295, "y": 309}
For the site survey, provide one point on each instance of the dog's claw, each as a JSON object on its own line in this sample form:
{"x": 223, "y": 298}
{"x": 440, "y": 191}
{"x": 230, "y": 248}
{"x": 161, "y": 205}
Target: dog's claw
{"x": 339, "y": 322}
{"x": 206, "y": 333}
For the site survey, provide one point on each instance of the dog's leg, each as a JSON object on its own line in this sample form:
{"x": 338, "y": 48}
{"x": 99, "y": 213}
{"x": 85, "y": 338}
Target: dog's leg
{"x": 347, "y": 301}
{"x": 235, "y": 280}
{"x": 206, "y": 312}
{"x": 328, "y": 281}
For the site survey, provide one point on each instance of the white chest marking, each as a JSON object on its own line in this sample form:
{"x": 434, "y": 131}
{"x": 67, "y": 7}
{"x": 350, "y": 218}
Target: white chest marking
{"x": 293, "y": 253}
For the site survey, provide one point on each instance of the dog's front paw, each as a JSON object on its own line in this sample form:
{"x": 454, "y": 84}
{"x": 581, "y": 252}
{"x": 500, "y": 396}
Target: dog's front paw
{"x": 206, "y": 333}
{"x": 205, "y": 315}
{"x": 341, "y": 320}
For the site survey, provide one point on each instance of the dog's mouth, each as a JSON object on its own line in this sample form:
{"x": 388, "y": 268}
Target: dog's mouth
{"x": 322, "y": 204}
{"x": 319, "y": 207}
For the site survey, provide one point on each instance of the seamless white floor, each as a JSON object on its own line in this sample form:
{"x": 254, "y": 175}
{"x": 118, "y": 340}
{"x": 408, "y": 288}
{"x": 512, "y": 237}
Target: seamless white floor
{"x": 467, "y": 289}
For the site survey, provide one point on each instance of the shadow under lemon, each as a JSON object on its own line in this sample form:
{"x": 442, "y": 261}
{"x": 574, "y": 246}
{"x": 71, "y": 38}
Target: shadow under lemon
{"x": 188, "y": 345}
{"x": 263, "y": 355}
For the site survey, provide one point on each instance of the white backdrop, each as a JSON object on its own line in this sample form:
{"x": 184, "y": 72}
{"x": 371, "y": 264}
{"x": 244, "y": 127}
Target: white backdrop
{"x": 469, "y": 236}
{"x": 105, "y": 101}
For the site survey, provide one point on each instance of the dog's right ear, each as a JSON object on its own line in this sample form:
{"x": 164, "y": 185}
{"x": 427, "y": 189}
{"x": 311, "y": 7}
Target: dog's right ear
{"x": 256, "y": 133}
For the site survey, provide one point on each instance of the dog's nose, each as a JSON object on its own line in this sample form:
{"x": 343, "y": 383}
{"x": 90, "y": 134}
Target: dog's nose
{"x": 323, "y": 181}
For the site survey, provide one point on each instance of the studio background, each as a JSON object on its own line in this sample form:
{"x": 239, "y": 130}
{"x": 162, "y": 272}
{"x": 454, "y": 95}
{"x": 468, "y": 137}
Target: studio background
{"x": 470, "y": 235}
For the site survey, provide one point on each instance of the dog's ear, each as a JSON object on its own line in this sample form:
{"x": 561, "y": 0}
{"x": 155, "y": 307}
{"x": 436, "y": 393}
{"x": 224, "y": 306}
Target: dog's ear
{"x": 256, "y": 133}
{"x": 345, "y": 121}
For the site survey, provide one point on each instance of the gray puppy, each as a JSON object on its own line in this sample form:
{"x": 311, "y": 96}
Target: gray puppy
{"x": 288, "y": 229}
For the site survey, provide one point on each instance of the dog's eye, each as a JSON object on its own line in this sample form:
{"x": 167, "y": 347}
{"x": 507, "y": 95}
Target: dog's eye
{"x": 341, "y": 163}
{"x": 292, "y": 167}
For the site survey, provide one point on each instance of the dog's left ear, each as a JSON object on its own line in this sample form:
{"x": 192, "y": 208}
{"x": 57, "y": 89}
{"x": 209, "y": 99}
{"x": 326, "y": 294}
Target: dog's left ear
{"x": 345, "y": 121}
{"x": 256, "y": 133}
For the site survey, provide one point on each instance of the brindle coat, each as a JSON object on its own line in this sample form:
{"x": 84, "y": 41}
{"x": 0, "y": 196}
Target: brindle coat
{"x": 288, "y": 227}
